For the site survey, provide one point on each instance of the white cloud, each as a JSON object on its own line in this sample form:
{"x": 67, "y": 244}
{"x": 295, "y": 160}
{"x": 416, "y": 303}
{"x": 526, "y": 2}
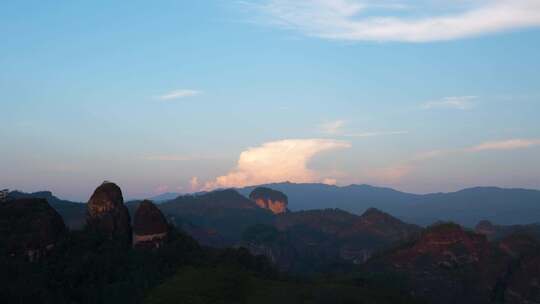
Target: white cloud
{"x": 278, "y": 161}
{"x": 455, "y": 102}
{"x": 177, "y": 94}
{"x": 377, "y": 133}
{"x": 332, "y": 127}
{"x": 510, "y": 144}
{"x": 194, "y": 184}
{"x": 366, "y": 20}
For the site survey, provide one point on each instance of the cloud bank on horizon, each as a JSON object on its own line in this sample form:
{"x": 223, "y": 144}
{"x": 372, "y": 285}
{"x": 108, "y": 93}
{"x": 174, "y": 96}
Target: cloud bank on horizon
{"x": 287, "y": 160}
{"x": 278, "y": 161}
{"x": 411, "y": 21}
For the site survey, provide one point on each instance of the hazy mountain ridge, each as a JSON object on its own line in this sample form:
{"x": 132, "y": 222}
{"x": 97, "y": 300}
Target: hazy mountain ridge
{"x": 444, "y": 263}
{"x": 466, "y": 207}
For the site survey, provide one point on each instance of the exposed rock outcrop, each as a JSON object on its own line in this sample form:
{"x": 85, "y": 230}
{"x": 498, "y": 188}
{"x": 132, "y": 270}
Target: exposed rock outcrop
{"x": 270, "y": 199}
{"x": 379, "y": 223}
{"x": 107, "y": 213}
{"x": 221, "y": 216}
{"x": 29, "y": 227}
{"x": 73, "y": 213}
{"x": 447, "y": 264}
{"x": 499, "y": 232}
{"x": 150, "y": 229}
{"x": 317, "y": 238}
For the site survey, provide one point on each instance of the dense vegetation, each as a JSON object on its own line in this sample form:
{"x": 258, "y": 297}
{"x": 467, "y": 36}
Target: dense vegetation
{"x": 85, "y": 267}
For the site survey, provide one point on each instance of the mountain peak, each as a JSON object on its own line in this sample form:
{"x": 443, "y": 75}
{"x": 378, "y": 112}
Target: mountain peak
{"x": 270, "y": 199}
{"x": 372, "y": 211}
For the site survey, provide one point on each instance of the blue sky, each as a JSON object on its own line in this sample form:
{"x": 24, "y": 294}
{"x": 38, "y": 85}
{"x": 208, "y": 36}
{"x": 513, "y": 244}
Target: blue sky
{"x": 181, "y": 96}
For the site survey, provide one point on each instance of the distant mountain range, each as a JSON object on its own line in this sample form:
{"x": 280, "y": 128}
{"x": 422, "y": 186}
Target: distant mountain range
{"x": 443, "y": 263}
{"x": 167, "y": 196}
{"x": 466, "y": 207}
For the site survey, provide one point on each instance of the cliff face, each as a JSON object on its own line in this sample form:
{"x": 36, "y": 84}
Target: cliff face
{"x": 381, "y": 224}
{"x": 272, "y": 200}
{"x": 107, "y": 213}
{"x": 220, "y": 216}
{"x": 29, "y": 227}
{"x": 498, "y": 232}
{"x": 73, "y": 213}
{"x": 318, "y": 238}
{"x": 150, "y": 227}
{"x": 522, "y": 280}
{"x": 448, "y": 264}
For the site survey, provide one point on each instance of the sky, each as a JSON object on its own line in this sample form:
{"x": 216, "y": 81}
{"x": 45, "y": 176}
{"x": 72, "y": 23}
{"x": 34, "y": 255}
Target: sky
{"x": 183, "y": 96}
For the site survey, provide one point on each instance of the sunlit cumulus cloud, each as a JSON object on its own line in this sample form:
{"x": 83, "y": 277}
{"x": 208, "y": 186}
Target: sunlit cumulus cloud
{"x": 278, "y": 161}
{"x": 194, "y": 184}
{"x": 417, "y": 21}
{"x": 455, "y": 102}
{"x": 178, "y": 94}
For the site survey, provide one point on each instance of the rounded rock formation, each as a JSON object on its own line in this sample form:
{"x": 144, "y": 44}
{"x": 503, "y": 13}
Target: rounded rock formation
{"x": 29, "y": 227}
{"x": 150, "y": 227}
{"x": 107, "y": 213}
{"x": 270, "y": 199}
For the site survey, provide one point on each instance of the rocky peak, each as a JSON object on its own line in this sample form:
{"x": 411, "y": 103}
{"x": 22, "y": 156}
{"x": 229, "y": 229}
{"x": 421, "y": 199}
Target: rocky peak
{"x": 432, "y": 262}
{"x": 445, "y": 237}
{"x": 107, "y": 212}
{"x": 270, "y": 199}
{"x": 29, "y": 227}
{"x": 150, "y": 227}
{"x": 383, "y": 224}
{"x": 376, "y": 215}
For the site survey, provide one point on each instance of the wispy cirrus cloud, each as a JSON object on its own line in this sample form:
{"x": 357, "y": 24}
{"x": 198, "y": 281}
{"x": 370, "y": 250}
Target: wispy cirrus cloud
{"x": 454, "y": 102}
{"x": 178, "y": 94}
{"x": 337, "y": 127}
{"x": 498, "y": 145}
{"x": 170, "y": 157}
{"x": 366, "y": 20}
{"x": 510, "y": 144}
{"x": 395, "y": 173}
{"x": 277, "y": 161}
{"x": 332, "y": 127}
{"x": 375, "y": 133}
